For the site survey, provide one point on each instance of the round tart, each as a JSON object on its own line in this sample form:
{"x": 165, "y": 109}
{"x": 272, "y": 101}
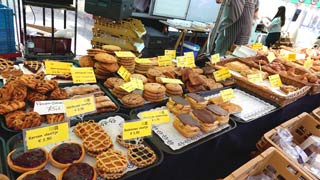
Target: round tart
{"x": 78, "y": 171}
{"x": 20, "y": 161}
{"x": 37, "y": 174}
{"x": 4, "y": 177}
{"x": 63, "y": 155}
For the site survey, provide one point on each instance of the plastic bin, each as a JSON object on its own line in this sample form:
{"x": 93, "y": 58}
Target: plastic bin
{"x": 189, "y": 47}
{"x": 272, "y": 161}
{"x": 7, "y": 39}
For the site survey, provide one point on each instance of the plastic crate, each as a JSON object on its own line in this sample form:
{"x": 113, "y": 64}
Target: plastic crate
{"x": 7, "y": 39}
{"x": 301, "y": 127}
{"x": 271, "y": 161}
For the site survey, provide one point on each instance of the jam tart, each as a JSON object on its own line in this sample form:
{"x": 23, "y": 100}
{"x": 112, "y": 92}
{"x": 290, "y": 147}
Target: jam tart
{"x": 33, "y": 66}
{"x": 141, "y": 155}
{"x": 37, "y": 174}
{"x": 128, "y": 143}
{"x": 78, "y": 171}
{"x": 20, "y": 161}
{"x": 63, "y": 155}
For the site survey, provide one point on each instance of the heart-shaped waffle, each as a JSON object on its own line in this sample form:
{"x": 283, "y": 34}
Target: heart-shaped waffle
{"x": 141, "y": 155}
{"x": 85, "y": 128}
{"x": 128, "y": 143}
{"x": 97, "y": 142}
{"x": 111, "y": 161}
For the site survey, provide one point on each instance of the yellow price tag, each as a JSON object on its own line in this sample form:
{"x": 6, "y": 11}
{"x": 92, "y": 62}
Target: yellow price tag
{"x": 125, "y": 54}
{"x": 257, "y": 46}
{"x": 292, "y": 57}
{"x": 215, "y": 58}
{"x": 254, "y": 78}
{"x": 271, "y": 57}
{"x": 56, "y": 67}
{"x": 129, "y": 86}
{"x": 170, "y": 53}
{"x": 275, "y": 80}
{"x": 181, "y": 61}
{"x": 171, "y": 81}
{"x": 80, "y": 106}
{"x": 227, "y": 95}
{"x": 131, "y": 130}
{"x": 83, "y": 75}
{"x": 137, "y": 83}
{"x": 43, "y": 136}
{"x": 124, "y": 73}
{"x": 189, "y": 54}
{"x": 222, "y": 74}
{"x": 164, "y": 61}
{"x": 143, "y": 61}
{"x": 158, "y": 117}
{"x": 190, "y": 62}
{"x": 308, "y": 63}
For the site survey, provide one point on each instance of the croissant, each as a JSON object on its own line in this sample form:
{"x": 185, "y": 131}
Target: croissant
{"x": 11, "y": 106}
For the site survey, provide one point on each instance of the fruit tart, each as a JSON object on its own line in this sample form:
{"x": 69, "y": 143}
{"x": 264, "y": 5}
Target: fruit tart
{"x": 21, "y": 161}
{"x": 63, "y": 155}
{"x": 78, "y": 171}
{"x": 37, "y": 174}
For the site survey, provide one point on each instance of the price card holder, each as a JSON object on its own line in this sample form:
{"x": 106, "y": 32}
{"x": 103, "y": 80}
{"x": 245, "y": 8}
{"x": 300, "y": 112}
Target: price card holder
{"x": 215, "y": 58}
{"x": 125, "y": 54}
{"x": 254, "y": 78}
{"x": 124, "y": 73}
{"x": 275, "y": 80}
{"x": 171, "y": 81}
{"x": 80, "y": 106}
{"x": 43, "y": 136}
{"x": 137, "y": 83}
{"x": 308, "y": 63}
{"x": 164, "y": 61}
{"x": 170, "y": 53}
{"x": 49, "y": 107}
{"x": 83, "y": 75}
{"x": 257, "y": 46}
{"x": 142, "y": 128}
{"x": 292, "y": 57}
{"x": 189, "y": 54}
{"x": 129, "y": 86}
{"x": 181, "y": 61}
{"x": 190, "y": 62}
{"x": 227, "y": 95}
{"x": 143, "y": 60}
{"x": 271, "y": 57}
{"x": 158, "y": 117}
{"x": 56, "y": 67}
{"x": 222, "y": 74}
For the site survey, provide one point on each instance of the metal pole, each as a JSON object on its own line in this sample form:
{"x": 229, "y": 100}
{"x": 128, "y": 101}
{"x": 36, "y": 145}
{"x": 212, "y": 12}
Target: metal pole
{"x": 53, "y": 45}
{"x": 65, "y": 19}
{"x": 44, "y": 16}
{"x": 76, "y": 29}
{"x": 16, "y": 22}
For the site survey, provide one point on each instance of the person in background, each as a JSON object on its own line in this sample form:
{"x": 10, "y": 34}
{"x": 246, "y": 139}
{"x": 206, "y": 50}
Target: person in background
{"x": 236, "y": 24}
{"x": 275, "y": 27}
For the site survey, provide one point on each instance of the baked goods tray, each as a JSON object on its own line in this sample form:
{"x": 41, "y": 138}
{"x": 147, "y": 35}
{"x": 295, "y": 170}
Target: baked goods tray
{"x": 181, "y": 143}
{"x": 253, "y": 106}
{"x": 264, "y": 88}
{"x": 112, "y": 121}
{"x": 3, "y": 159}
{"x": 122, "y": 106}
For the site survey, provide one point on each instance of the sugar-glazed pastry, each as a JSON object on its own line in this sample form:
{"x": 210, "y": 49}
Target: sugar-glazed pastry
{"x": 196, "y": 101}
{"x": 186, "y": 125}
{"x": 205, "y": 119}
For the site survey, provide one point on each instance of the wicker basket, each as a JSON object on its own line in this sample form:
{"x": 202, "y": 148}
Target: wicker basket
{"x": 271, "y": 161}
{"x": 266, "y": 92}
{"x": 316, "y": 114}
{"x": 315, "y": 88}
{"x": 301, "y": 127}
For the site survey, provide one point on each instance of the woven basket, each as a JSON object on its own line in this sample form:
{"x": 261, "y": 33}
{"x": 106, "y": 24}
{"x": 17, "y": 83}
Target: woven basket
{"x": 271, "y": 161}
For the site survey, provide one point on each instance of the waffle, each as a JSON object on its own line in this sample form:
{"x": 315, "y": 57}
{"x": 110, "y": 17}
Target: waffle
{"x": 97, "y": 142}
{"x": 128, "y": 143}
{"x": 85, "y": 128}
{"x": 141, "y": 155}
{"x": 111, "y": 161}
{"x": 33, "y": 66}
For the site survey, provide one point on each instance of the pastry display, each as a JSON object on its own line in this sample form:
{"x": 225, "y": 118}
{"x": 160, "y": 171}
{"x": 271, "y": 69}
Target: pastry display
{"x": 11, "y": 72}
{"x": 186, "y": 125}
{"x": 231, "y": 107}
{"x": 143, "y": 67}
{"x": 65, "y": 154}
{"x": 95, "y": 51}
{"x": 192, "y": 81}
{"x": 5, "y": 64}
{"x": 118, "y": 92}
{"x": 237, "y": 66}
{"x": 216, "y": 100}
{"x": 106, "y": 65}
{"x": 58, "y": 94}
{"x": 154, "y": 92}
{"x": 219, "y": 113}
{"x": 62, "y": 77}
{"x": 113, "y": 81}
{"x": 34, "y": 96}
{"x": 20, "y": 161}
{"x": 46, "y": 86}
{"x": 81, "y": 90}
{"x": 110, "y": 49}
{"x": 141, "y": 155}
{"x": 4, "y": 177}
{"x": 196, "y": 101}
{"x": 55, "y": 118}
{"x": 139, "y": 77}
{"x": 128, "y": 143}
{"x": 78, "y": 171}
{"x": 288, "y": 89}
{"x": 30, "y": 80}
{"x": 33, "y": 66}
{"x": 86, "y": 61}
{"x": 206, "y": 120}
{"x": 128, "y": 62}
{"x": 178, "y": 105}
{"x": 132, "y": 100}
{"x": 111, "y": 164}
{"x": 96, "y": 143}
{"x": 37, "y": 174}
{"x": 173, "y": 90}
{"x": 11, "y": 106}
{"x": 83, "y": 129}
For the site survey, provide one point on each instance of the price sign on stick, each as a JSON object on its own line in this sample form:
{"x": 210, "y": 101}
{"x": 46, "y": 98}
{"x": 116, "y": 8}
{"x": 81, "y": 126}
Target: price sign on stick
{"x": 170, "y": 53}
{"x": 308, "y": 63}
{"x": 171, "y": 81}
{"x": 80, "y": 106}
{"x": 124, "y": 73}
{"x": 158, "y": 117}
{"x": 56, "y": 67}
{"x": 275, "y": 80}
{"x": 215, "y": 58}
{"x": 164, "y": 61}
{"x": 222, "y": 74}
{"x": 227, "y": 95}
{"x": 83, "y": 75}
{"x": 181, "y": 61}
{"x": 142, "y": 128}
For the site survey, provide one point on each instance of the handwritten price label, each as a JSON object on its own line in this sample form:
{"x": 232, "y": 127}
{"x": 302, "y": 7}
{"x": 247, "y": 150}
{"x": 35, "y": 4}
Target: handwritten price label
{"x": 129, "y": 86}
{"x": 164, "y": 60}
{"x": 40, "y": 137}
{"x": 275, "y": 80}
{"x": 292, "y": 57}
{"x": 80, "y": 106}
{"x": 124, "y": 73}
{"x": 170, "y": 53}
{"x": 158, "y": 117}
{"x": 49, "y": 107}
{"x": 138, "y": 83}
{"x": 215, "y": 58}
{"x": 308, "y": 63}
{"x": 254, "y": 78}
{"x": 56, "y": 67}
{"x": 143, "y": 61}
{"x": 227, "y": 95}
{"x": 271, "y": 57}
{"x": 83, "y": 75}
{"x": 257, "y": 46}
{"x": 222, "y": 74}
{"x": 125, "y": 54}
{"x": 137, "y": 129}
{"x": 181, "y": 61}
{"x": 171, "y": 81}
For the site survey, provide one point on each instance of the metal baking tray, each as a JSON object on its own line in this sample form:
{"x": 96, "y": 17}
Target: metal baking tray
{"x": 17, "y": 141}
{"x": 159, "y": 142}
{"x": 235, "y": 118}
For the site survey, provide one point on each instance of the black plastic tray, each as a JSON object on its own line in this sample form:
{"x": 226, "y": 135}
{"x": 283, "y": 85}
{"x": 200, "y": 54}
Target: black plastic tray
{"x": 3, "y": 158}
{"x": 233, "y": 117}
{"x": 17, "y": 141}
{"x": 122, "y": 106}
{"x": 159, "y": 142}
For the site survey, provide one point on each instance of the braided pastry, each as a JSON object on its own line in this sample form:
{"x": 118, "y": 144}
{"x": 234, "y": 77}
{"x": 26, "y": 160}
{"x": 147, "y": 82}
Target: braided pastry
{"x": 55, "y": 118}
{"x": 12, "y": 117}
{"x": 29, "y": 80}
{"x": 46, "y": 86}
{"x": 5, "y": 93}
{"x": 11, "y": 106}
{"x": 19, "y": 91}
{"x": 39, "y": 76}
{"x": 58, "y": 94}
{"x": 31, "y": 119}
{"x": 35, "y": 96}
